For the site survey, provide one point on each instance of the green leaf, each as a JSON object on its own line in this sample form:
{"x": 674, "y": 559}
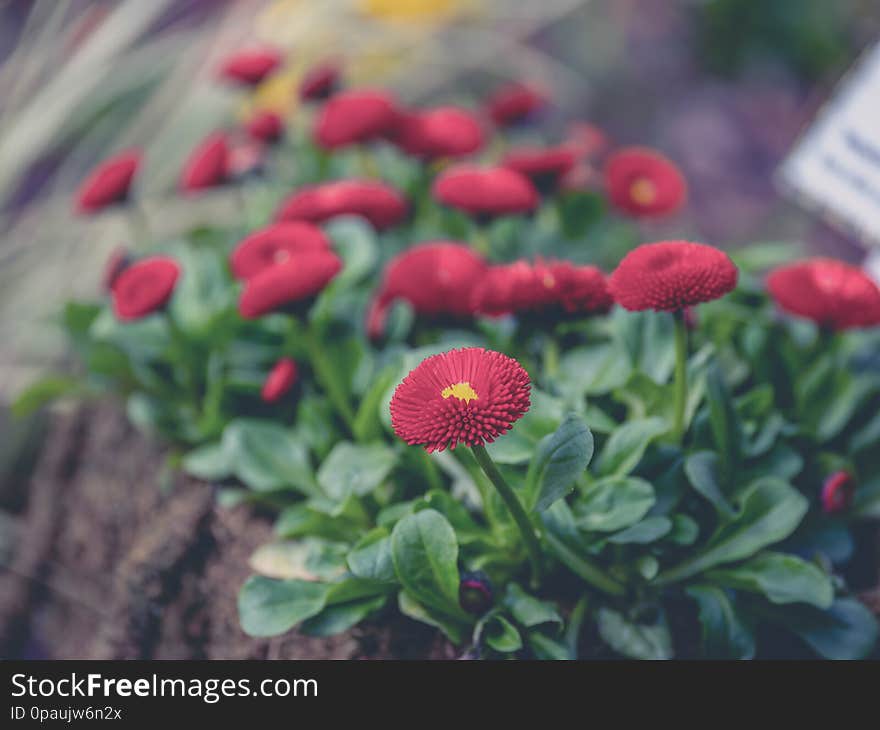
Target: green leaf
{"x": 528, "y": 610}
{"x": 780, "y": 578}
{"x": 203, "y": 292}
{"x": 355, "y": 241}
{"x": 355, "y": 469}
{"x": 341, "y": 616}
{"x": 726, "y": 429}
{"x": 425, "y": 555}
{"x": 560, "y": 459}
{"x": 209, "y": 462}
{"x": 269, "y": 607}
{"x": 626, "y": 446}
{"x": 579, "y": 210}
{"x": 267, "y": 457}
{"x": 593, "y": 370}
{"x": 44, "y": 391}
{"x": 409, "y": 606}
{"x": 502, "y": 635}
{"x": 637, "y": 641}
{"x": 703, "y": 472}
{"x": 519, "y": 444}
{"x": 644, "y": 532}
{"x": 726, "y": 633}
{"x": 546, "y": 648}
{"x": 371, "y": 557}
{"x": 612, "y": 504}
{"x": 367, "y": 425}
{"x": 770, "y": 511}
{"x": 685, "y": 530}
{"x": 847, "y": 630}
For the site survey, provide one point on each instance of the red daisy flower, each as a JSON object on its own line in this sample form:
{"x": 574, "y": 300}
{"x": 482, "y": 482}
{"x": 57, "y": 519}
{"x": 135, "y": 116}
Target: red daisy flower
{"x": 279, "y": 380}
{"x": 442, "y": 132}
{"x": 485, "y": 191}
{"x": 380, "y": 204}
{"x": 208, "y": 164}
{"x": 671, "y": 275}
{"x": 250, "y": 66}
{"x": 354, "y": 117}
{"x": 118, "y": 261}
{"x": 320, "y": 82}
{"x": 514, "y": 103}
{"x": 109, "y": 182}
{"x": 838, "y": 492}
{"x": 265, "y": 126}
{"x": 275, "y": 244}
{"x": 520, "y": 288}
{"x": 829, "y": 292}
{"x": 435, "y": 278}
{"x": 545, "y": 166}
{"x": 144, "y": 287}
{"x": 288, "y": 284}
{"x": 642, "y": 182}
{"x": 470, "y": 396}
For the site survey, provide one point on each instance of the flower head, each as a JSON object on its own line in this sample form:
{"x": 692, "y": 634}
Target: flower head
{"x": 109, "y": 182}
{"x": 514, "y": 103}
{"x": 544, "y": 166}
{"x": 320, "y": 81}
{"x": 279, "y": 381}
{"x": 288, "y": 284}
{"x": 436, "y": 278}
{"x": 558, "y": 286}
{"x": 642, "y": 182}
{"x": 475, "y": 594}
{"x": 469, "y": 396}
{"x": 208, "y": 164}
{"x": 380, "y": 204}
{"x": 671, "y": 275}
{"x": 829, "y": 292}
{"x": 838, "y": 491}
{"x": 265, "y": 126}
{"x": 354, "y": 117}
{"x": 446, "y": 131}
{"x": 275, "y": 244}
{"x": 485, "y": 192}
{"x": 587, "y": 140}
{"x": 144, "y": 287}
{"x": 250, "y": 66}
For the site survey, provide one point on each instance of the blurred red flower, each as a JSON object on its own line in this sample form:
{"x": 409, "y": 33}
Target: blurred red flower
{"x": 442, "y": 132}
{"x": 109, "y": 182}
{"x": 469, "y": 396}
{"x": 838, "y": 491}
{"x": 671, "y": 275}
{"x": 643, "y": 183}
{"x": 207, "y": 165}
{"x": 118, "y": 260}
{"x": 320, "y": 82}
{"x": 354, "y": 117}
{"x": 587, "y": 140}
{"x": 544, "y": 166}
{"x": 280, "y": 380}
{"x": 275, "y": 244}
{"x": 250, "y": 66}
{"x": 380, "y": 204}
{"x": 265, "y": 126}
{"x": 144, "y": 287}
{"x": 436, "y": 278}
{"x": 485, "y": 191}
{"x": 514, "y": 103}
{"x": 829, "y": 292}
{"x": 288, "y": 284}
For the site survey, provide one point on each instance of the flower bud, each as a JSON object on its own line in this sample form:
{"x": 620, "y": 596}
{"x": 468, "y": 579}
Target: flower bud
{"x": 475, "y": 592}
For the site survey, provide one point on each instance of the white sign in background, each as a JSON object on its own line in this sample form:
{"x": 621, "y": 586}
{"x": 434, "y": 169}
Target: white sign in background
{"x": 835, "y": 167}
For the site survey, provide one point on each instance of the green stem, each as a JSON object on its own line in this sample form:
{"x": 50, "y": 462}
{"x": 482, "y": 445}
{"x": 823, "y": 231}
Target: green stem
{"x": 525, "y": 525}
{"x": 551, "y": 357}
{"x": 680, "y": 387}
{"x": 583, "y": 568}
{"x": 481, "y": 243}
{"x": 429, "y": 468}
{"x": 325, "y": 371}
{"x": 365, "y": 162}
{"x": 183, "y": 354}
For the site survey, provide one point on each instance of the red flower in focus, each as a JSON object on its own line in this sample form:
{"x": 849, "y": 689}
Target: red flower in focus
{"x": 642, "y": 182}
{"x": 514, "y": 103}
{"x": 545, "y": 166}
{"x": 288, "y": 284}
{"x": 380, "y": 204}
{"x": 470, "y": 396}
{"x": 265, "y": 126}
{"x": 829, "y": 292}
{"x": 275, "y": 244}
{"x": 208, "y": 164}
{"x": 109, "y": 182}
{"x": 838, "y": 492}
{"x": 320, "y": 82}
{"x": 671, "y": 275}
{"x": 485, "y": 191}
{"x": 250, "y": 66}
{"x": 354, "y": 117}
{"x": 279, "y": 380}
{"x": 144, "y": 287}
{"x": 442, "y": 132}
{"x": 435, "y": 278}
{"x": 118, "y": 261}
{"x": 587, "y": 140}
{"x": 520, "y": 288}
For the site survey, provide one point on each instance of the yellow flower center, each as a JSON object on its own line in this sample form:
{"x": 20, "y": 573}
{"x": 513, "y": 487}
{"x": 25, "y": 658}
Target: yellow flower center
{"x": 462, "y": 391}
{"x": 643, "y": 191}
{"x": 549, "y": 281}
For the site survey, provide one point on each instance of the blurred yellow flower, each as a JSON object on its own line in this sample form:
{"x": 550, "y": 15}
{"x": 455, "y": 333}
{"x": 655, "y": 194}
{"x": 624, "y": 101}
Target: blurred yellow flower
{"x": 421, "y": 10}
